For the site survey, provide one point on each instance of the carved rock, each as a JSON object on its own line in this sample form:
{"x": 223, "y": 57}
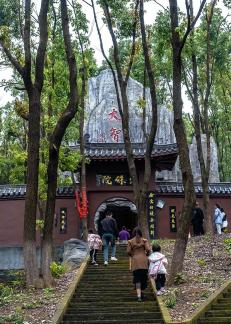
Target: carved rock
{"x": 75, "y": 251}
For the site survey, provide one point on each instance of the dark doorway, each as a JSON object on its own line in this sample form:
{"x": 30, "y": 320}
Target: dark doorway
{"x": 123, "y": 211}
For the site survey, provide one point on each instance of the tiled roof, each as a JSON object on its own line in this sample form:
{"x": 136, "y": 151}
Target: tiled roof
{"x": 19, "y": 191}
{"x": 117, "y": 150}
{"x": 223, "y": 188}
{"x": 8, "y": 191}
{"x": 214, "y": 188}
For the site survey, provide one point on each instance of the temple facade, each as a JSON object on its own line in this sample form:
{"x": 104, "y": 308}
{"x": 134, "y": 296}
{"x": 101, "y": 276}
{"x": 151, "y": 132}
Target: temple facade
{"x": 109, "y": 185}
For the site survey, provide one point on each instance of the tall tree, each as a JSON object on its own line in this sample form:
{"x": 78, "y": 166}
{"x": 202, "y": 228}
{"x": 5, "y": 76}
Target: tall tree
{"x": 33, "y": 82}
{"x": 201, "y": 116}
{"x": 116, "y": 13}
{"x": 187, "y": 177}
{"x": 54, "y": 147}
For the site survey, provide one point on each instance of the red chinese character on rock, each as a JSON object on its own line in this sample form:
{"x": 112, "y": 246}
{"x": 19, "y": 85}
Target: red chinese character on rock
{"x": 113, "y": 115}
{"x": 114, "y": 133}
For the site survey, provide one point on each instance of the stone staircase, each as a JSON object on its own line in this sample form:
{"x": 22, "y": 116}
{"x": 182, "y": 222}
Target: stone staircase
{"x": 106, "y": 295}
{"x": 220, "y": 311}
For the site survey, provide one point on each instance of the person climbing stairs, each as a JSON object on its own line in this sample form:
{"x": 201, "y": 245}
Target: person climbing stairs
{"x": 106, "y": 295}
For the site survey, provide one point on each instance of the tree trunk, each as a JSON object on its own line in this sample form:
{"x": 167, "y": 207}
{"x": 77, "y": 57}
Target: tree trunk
{"x": 55, "y": 142}
{"x": 47, "y": 241}
{"x": 189, "y": 199}
{"x": 203, "y": 169}
{"x": 142, "y": 210}
{"x": 29, "y": 250}
{"x": 140, "y": 188}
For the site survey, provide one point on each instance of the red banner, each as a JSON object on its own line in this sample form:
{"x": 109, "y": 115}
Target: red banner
{"x": 82, "y": 203}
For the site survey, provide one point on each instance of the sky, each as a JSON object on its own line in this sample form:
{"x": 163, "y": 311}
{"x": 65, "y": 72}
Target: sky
{"x": 151, "y": 9}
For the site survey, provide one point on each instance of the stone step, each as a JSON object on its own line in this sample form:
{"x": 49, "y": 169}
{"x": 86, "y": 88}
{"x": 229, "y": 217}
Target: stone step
{"x": 225, "y": 301}
{"x": 221, "y": 307}
{"x": 124, "y": 304}
{"x": 219, "y": 313}
{"x": 217, "y": 320}
{"x": 111, "y": 316}
{"x": 120, "y": 321}
{"x": 106, "y": 295}
{"x": 102, "y": 298}
{"x": 110, "y": 286}
{"x": 100, "y": 291}
{"x": 118, "y": 309}
{"x": 97, "y": 293}
{"x": 227, "y": 294}
{"x": 100, "y": 294}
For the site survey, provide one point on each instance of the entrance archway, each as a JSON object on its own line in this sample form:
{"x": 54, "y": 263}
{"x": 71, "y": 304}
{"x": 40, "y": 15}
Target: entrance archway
{"x": 124, "y": 211}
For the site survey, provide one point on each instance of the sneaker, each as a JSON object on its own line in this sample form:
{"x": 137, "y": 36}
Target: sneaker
{"x": 95, "y": 264}
{"x": 162, "y": 289}
{"x": 139, "y": 299}
{"x": 159, "y": 293}
{"x": 105, "y": 263}
{"x": 143, "y": 296}
{"x": 114, "y": 259}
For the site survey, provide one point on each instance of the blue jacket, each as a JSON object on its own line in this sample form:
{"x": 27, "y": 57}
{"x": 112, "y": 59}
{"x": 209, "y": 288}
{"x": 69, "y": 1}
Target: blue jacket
{"x": 218, "y": 216}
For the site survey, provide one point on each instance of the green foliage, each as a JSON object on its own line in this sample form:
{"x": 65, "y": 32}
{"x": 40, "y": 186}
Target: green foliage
{"x": 15, "y": 318}
{"x": 57, "y": 269}
{"x": 32, "y": 305}
{"x": 48, "y": 292}
{"x": 205, "y": 294}
{"x": 227, "y": 243}
{"x": 201, "y": 262}
{"x": 6, "y": 294}
{"x": 39, "y": 224}
{"x": 179, "y": 279}
{"x": 170, "y": 298}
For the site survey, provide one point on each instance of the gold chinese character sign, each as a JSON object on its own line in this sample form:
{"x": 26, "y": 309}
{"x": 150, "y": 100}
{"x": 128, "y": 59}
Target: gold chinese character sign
{"x": 151, "y": 212}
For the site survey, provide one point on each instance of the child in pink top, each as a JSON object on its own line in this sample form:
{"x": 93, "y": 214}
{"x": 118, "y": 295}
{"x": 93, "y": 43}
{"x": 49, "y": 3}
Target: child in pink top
{"x": 157, "y": 270}
{"x": 95, "y": 244}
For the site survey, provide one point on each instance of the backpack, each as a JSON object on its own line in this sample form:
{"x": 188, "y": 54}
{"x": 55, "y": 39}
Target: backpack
{"x": 154, "y": 268}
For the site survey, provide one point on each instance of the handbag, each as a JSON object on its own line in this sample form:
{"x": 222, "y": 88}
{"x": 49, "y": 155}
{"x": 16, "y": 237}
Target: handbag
{"x": 225, "y": 224}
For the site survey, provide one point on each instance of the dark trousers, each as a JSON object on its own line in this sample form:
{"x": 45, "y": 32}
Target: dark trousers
{"x": 198, "y": 229}
{"x": 160, "y": 281}
{"x": 93, "y": 255}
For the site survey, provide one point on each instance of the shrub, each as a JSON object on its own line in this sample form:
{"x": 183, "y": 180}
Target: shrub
{"x": 48, "y": 293}
{"x": 201, "y": 262}
{"x": 180, "y": 278}
{"x": 205, "y": 294}
{"x": 5, "y": 291}
{"x": 170, "y": 298}
{"x": 57, "y": 269}
{"x": 227, "y": 243}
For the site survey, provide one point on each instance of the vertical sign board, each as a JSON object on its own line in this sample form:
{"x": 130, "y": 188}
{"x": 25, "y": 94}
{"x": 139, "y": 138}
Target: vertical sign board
{"x": 63, "y": 220}
{"x": 172, "y": 219}
{"x": 151, "y": 210}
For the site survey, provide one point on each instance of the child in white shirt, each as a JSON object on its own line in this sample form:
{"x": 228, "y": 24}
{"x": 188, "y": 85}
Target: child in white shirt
{"x": 157, "y": 269}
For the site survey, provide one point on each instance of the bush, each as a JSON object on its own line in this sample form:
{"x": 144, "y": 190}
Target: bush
{"x": 170, "y": 298}
{"x": 57, "y": 269}
{"x": 180, "y": 278}
{"x": 201, "y": 262}
{"x": 48, "y": 293}
{"x": 15, "y": 318}
{"x": 227, "y": 243}
{"x": 205, "y": 294}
